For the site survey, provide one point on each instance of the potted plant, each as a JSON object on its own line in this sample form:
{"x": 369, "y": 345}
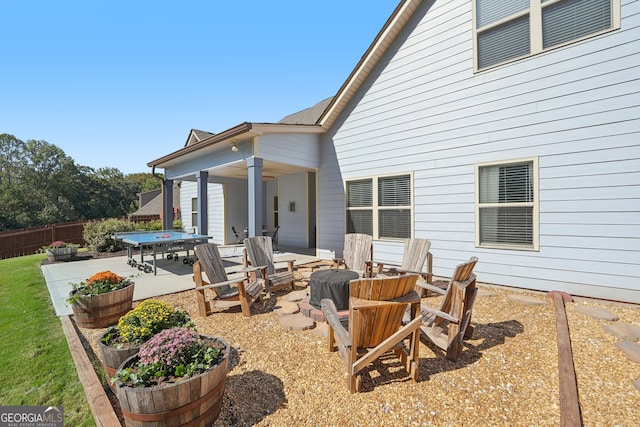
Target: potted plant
{"x": 101, "y": 300}
{"x": 122, "y": 341}
{"x": 60, "y": 251}
{"x": 177, "y": 378}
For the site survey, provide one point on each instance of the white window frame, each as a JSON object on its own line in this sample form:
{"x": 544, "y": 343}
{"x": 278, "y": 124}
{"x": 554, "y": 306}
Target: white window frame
{"x": 376, "y": 209}
{"x": 535, "y": 245}
{"x": 535, "y": 30}
{"x": 194, "y": 212}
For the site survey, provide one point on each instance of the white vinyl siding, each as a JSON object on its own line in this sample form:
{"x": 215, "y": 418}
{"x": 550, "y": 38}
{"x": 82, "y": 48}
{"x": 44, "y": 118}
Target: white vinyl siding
{"x": 575, "y": 108}
{"x": 507, "y": 205}
{"x": 380, "y": 206}
{"x": 510, "y": 29}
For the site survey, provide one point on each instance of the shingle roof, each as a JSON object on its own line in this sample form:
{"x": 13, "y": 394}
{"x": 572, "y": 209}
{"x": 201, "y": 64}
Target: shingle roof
{"x": 153, "y": 207}
{"x": 308, "y": 116}
{"x": 196, "y": 136}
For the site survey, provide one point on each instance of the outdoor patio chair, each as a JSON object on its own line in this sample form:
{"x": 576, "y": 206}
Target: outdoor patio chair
{"x": 450, "y": 325}
{"x": 416, "y": 255}
{"x": 238, "y": 238}
{"x": 357, "y": 254}
{"x": 274, "y": 238}
{"x": 258, "y": 253}
{"x": 226, "y": 293}
{"x": 376, "y": 310}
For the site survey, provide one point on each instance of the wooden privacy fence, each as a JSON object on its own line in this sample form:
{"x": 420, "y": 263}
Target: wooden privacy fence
{"x": 28, "y": 241}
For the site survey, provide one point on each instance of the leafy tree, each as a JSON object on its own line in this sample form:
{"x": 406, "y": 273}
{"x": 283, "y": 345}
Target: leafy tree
{"x": 40, "y": 184}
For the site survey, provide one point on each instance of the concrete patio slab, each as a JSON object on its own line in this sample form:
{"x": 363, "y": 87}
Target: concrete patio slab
{"x": 171, "y": 276}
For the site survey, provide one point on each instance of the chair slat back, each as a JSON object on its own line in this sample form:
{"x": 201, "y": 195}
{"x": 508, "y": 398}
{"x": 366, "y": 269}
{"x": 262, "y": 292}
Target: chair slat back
{"x": 369, "y": 327}
{"x": 211, "y": 261}
{"x": 260, "y": 252}
{"x": 415, "y": 254}
{"x": 457, "y": 296}
{"x": 358, "y": 249}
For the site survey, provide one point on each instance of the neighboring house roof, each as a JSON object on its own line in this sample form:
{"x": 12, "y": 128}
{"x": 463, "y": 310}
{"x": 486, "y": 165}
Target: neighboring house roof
{"x": 369, "y": 60}
{"x": 153, "y": 207}
{"x": 308, "y": 116}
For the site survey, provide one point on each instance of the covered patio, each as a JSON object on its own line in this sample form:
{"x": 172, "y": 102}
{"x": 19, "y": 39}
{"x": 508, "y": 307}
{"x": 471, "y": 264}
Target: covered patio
{"x": 254, "y": 176}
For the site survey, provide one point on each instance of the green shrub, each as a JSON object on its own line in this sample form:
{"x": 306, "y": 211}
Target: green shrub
{"x": 156, "y": 225}
{"x": 153, "y": 225}
{"x": 98, "y": 234}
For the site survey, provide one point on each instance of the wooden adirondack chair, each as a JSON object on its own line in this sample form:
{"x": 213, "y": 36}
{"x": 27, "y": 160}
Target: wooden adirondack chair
{"x": 376, "y": 310}
{"x": 357, "y": 254}
{"x": 226, "y": 293}
{"x": 258, "y": 252}
{"x": 448, "y": 326}
{"x": 416, "y": 255}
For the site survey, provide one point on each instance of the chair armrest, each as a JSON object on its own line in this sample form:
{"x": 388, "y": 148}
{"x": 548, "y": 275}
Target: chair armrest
{"x": 247, "y": 269}
{"x": 439, "y": 313}
{"x": 289, "y": 262}
{"x": 429, "y": 287}
{"x": 217, "y": 285}
{"x": 331, "y": 316}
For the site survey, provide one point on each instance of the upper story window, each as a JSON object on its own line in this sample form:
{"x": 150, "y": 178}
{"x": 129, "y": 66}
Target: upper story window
{"x": 505, "y": 30}
{"x": 507, "y": 204}
{"x": 380, "y": 206}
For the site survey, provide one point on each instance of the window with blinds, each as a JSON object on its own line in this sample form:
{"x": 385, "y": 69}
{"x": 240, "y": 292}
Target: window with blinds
{"x": 506, "y": 213}
{"x": 380, "y": 207}
{"x": 509, "y": 29}
{"x": 194, "y": 211}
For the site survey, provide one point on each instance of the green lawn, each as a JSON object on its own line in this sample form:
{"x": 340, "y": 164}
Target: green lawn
{"x": 36, "y": 367}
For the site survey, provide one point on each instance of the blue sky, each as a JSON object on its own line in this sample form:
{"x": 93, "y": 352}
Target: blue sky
{"x": 120, "y": 83}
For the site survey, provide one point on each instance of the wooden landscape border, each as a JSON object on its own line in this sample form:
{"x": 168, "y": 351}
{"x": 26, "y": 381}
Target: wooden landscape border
{"x": 101, "y": 408}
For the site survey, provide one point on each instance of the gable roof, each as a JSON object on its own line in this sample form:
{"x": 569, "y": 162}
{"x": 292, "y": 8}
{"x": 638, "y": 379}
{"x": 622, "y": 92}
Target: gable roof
{"x": 196, "y": 136}
{"x": 308, "y": 116}
{"x": 369, "y": 60}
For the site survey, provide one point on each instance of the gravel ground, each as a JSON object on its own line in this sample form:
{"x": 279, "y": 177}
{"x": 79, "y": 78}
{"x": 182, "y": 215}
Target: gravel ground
{"x": 507, "y": 374}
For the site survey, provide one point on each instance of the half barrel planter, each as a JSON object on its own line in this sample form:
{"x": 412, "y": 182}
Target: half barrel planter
{"x": 100, "y": 311}
{"x": 193, "y": 401}
{"x": 113, "y": 357}
{"x": 61, "y": 254}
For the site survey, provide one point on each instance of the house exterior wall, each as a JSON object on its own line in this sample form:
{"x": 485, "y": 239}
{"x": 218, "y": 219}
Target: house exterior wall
{"x": 188, "y": 191}
{"x": 235, "y": 210}
{"x": 215, "y": 206}
{"x": 216, "y": 217}
{"x": 294, "y": 225}
{"x": 295, "y": 149}
{"x": 576, "y": 109}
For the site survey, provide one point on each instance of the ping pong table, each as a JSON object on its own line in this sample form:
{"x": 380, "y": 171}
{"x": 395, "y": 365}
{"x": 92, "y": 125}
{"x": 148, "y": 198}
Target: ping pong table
{"x": 168, "y": 242}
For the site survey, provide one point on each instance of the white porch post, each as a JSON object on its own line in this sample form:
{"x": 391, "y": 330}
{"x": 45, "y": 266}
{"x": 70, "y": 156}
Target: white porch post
{"x": 203, "y": 214}
{"x": 167, "y": 204}
{"x": 254, "y": 165}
